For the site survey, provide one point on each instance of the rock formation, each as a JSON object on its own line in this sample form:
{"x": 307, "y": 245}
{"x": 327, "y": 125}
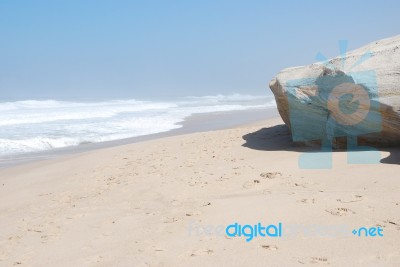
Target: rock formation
{"x": 352, "y": 98}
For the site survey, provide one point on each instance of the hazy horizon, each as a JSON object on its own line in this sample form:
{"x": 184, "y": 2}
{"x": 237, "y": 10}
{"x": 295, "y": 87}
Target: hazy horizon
{"x": 146, "y": 50}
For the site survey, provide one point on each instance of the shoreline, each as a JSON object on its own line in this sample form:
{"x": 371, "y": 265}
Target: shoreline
{"x": 200, "y": 122}
{"x": 148, "y": 203}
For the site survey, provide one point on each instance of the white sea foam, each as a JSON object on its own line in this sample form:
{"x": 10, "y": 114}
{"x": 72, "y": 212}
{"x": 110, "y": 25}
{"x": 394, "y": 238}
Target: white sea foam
{"x": 33, "y": 125}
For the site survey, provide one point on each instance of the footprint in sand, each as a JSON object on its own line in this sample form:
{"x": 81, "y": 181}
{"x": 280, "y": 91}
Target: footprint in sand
{"x": 349, "y": 201}
{"x": 170, "y": 220}
{"x": 255, "y": 182}
{"x": 251, "y": 184}
{"x": 269, "y": 247}
{"x": 307, "y": 201}
{"x": 270, "y": 175}
{"x": 193, "y": 213}
{"x": 313, "y": 260}
{"x": 301, "y": 185}
{"x": 392, "y": 223}
{"x": 222, "y": 178}
{"x": 201, "y": 252}
{"x": 319, "y": 260}
{"x": 340, "y": 211}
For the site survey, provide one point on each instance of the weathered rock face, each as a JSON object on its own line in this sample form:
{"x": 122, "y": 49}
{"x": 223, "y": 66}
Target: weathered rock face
{"x": 356, "y": 96}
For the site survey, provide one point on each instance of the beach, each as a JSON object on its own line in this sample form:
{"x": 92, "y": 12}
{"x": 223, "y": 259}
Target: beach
{"x": 199, "y": 133}
{"x": 164, "y": 201}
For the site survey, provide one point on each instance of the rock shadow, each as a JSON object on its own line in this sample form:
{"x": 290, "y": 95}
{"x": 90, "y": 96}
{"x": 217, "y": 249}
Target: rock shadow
{"x": 278, "y": 138}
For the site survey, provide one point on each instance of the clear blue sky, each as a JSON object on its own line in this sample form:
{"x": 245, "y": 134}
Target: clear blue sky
{"x": 114, "y": 49}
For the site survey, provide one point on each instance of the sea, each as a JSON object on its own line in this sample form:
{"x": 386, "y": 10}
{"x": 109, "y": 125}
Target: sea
{"x": 28, "y": 126}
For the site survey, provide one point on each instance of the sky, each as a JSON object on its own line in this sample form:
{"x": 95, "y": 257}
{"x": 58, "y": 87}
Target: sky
{"x": 153, "y": 49}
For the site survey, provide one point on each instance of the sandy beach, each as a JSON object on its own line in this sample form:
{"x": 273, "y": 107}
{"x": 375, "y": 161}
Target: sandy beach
{"x": 199, "y": 133}
{"x": 161, "y": 203}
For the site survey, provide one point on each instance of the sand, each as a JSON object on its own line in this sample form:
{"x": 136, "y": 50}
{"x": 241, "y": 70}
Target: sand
{"x": 160, "y": 203}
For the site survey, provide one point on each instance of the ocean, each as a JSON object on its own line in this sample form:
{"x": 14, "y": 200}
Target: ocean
{"x": 40, "y": 125}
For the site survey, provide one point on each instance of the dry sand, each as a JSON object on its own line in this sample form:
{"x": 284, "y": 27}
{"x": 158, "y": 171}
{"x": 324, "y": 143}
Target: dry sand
{"x": 146, "y": 204}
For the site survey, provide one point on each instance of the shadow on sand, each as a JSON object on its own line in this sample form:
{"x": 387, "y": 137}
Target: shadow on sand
{"x": 270, "y": 139}
{"x": 278, "y": 137}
